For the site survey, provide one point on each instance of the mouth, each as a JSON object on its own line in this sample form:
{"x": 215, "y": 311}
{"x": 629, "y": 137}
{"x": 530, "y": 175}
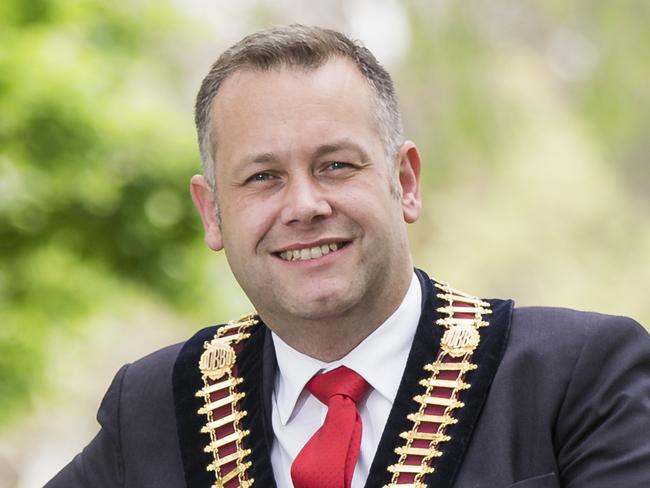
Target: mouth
{"x": 311, "y": 252}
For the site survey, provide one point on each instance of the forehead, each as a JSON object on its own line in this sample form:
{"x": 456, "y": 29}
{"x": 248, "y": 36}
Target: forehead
{"x": 334, "y": 77}
{"x": 254, "y": 106}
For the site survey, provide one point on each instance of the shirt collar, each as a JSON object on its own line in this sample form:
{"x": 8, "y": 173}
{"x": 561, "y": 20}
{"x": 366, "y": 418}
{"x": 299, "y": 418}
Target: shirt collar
{"x": 380, "y": 358}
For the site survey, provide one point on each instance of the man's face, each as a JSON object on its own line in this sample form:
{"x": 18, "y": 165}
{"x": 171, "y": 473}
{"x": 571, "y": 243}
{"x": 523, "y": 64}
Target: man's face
{"x": 308, "y": 221}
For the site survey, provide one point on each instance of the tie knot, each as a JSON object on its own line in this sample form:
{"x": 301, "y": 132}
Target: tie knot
{"x": 339, "y": 381}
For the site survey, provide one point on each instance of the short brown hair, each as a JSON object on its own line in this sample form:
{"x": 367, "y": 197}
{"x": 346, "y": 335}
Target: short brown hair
{"x": 296, "y": 46}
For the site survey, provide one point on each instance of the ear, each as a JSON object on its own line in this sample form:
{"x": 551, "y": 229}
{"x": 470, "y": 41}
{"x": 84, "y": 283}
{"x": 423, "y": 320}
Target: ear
{"x": 205, "y": 202}
{"x": 409, "y": 180}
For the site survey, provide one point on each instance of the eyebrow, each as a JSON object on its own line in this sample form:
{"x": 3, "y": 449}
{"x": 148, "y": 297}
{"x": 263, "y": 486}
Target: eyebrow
{"x": 261, "y": 158}
{"x": 343, "y": 144}
{"x": 320, "y": 151}
{"x": 265, "y": 157}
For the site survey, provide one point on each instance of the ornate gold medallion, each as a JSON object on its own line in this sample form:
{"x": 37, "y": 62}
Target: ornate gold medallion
{"x": 459, "y": 340}
{"x": 216, "y": 360}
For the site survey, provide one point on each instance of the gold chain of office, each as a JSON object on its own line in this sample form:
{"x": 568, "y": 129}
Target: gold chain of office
{"x": 434, "y": 410}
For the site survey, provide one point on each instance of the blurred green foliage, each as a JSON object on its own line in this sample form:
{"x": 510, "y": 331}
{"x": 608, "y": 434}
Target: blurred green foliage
{"x": 533, "y": 119}
{"x": 95, "y": 159}
{"x": 598, "y": 54}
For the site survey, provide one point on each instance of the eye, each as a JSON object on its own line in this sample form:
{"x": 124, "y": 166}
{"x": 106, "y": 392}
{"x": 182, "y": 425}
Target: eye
{"x": 261, "y": 176}
{"x": 336, "y": 165}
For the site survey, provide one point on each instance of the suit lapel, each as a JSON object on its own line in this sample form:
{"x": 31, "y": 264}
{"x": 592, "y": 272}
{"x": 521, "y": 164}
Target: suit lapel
{"x": 186, "y": 381}
{"x": 423, "y": 351}
{"x": 269, "y": 369}
{"x": 257, "y": 386}
{"x": 254, "y": 365}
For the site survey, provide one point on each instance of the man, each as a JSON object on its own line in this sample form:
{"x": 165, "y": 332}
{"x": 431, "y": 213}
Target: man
{"x": 356, "y": 370}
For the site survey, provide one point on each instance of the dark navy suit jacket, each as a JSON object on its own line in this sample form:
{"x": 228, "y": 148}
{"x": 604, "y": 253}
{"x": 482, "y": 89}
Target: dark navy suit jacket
{"x": 560, "y": 399}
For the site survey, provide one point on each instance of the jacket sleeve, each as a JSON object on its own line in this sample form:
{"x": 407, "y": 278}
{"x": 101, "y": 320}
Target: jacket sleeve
{"x": 99, "y": 465}
{"x": 603, "y": 425}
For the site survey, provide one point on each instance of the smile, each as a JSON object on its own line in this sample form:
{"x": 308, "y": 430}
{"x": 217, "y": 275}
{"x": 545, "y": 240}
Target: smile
{"x": 307, "y": 253}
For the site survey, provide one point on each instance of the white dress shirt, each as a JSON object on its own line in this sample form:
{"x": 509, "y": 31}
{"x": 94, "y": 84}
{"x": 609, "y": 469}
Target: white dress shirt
{"x": 380, "y": 359}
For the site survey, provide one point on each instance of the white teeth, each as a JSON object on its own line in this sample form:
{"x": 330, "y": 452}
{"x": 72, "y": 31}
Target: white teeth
{"x": 309, "y": 252}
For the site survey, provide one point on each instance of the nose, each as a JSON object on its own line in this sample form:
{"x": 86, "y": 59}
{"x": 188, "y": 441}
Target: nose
{"x": 305, "y": 201}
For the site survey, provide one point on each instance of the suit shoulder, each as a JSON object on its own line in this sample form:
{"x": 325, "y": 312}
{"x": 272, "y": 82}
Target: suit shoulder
{"x": 167, "y": 356}
{"x": 155, "y": 369}
{"x": 149, "y": 376}
{"x": 159, "y": 358}
{"x": 566, "y": 321}
{"x": 549, "y": 332}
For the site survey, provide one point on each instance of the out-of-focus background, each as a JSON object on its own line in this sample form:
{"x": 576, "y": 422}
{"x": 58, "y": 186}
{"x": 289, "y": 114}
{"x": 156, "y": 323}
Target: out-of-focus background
{"x": 533, "y": 118}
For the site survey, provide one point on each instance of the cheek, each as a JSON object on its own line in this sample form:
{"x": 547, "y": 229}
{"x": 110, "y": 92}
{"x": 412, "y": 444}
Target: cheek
{"x": 374, "y": 203}
{"x": 244, "y": 223}
{"x": 382, "y": 218}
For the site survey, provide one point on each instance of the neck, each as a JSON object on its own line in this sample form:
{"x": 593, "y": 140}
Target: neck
{"x": 331, "y": 338}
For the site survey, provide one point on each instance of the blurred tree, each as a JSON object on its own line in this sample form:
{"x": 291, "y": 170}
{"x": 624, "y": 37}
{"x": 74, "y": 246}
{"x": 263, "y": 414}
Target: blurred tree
{"x": 532, "y": 118}
{"x": 95, "y": 156}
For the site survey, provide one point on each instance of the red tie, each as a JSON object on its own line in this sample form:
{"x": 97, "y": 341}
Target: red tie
{"x": 328, "y": 458}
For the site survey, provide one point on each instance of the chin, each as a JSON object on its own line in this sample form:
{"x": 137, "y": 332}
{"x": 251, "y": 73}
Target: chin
{"x": 321, "y": 307}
